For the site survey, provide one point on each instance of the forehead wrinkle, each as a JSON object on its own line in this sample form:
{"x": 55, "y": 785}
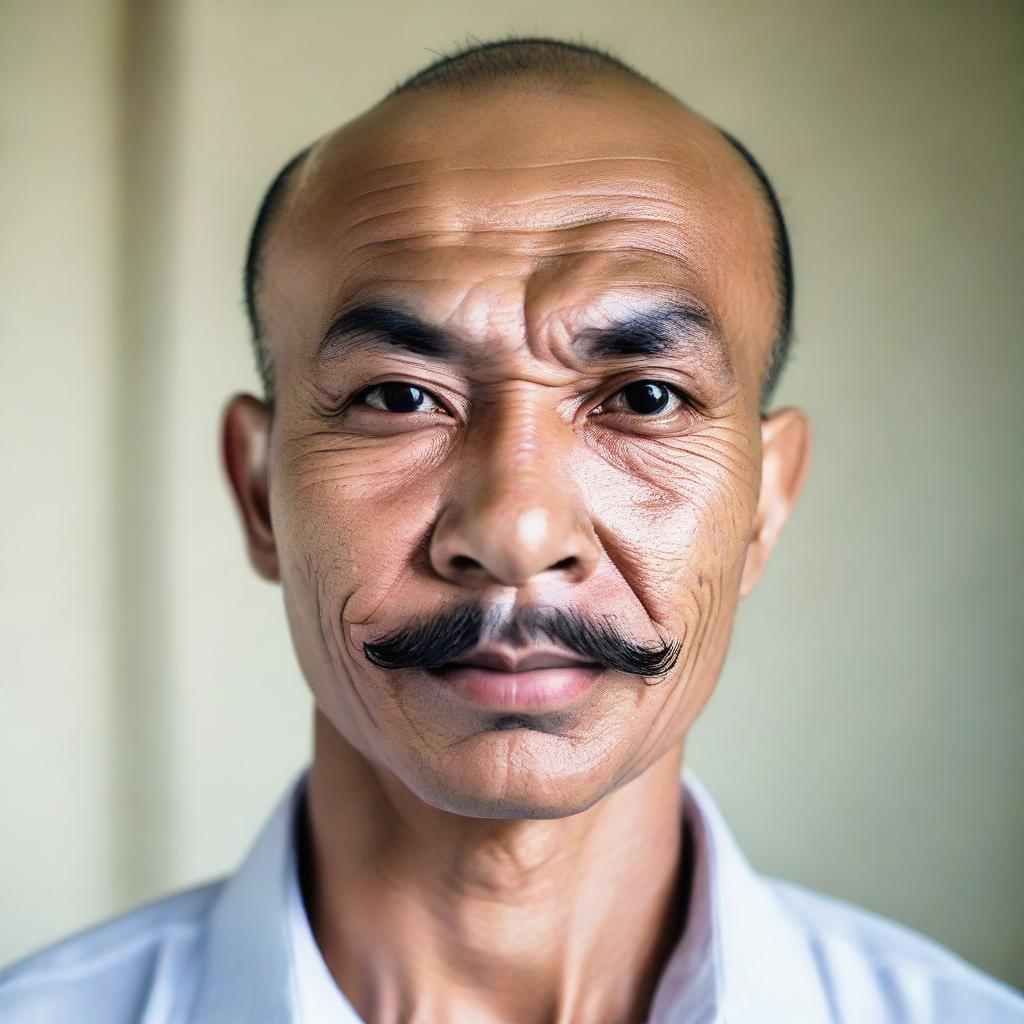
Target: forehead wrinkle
{"x": 537, "y": 243}
{"x": 615, "y": 199}
{"x": 319, "y": 155}
{"x": 445, "y": 168}
{"x": 526, "y": 233}
{"x": 620, "y": 266}
{"x": 460, "y": 196}
{"x": 394, "y": 197}
{"x": 688, "y": 238}
{"x": 639, "y": 209}
{"x": 567, "y": 162}
{"x": 548, "y": 203}
{"x": 543, "y": 207}
{"x": 359, "y": 284}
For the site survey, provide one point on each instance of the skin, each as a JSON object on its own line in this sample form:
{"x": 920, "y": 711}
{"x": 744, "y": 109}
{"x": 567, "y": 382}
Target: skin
{"x": 539, "y": 874}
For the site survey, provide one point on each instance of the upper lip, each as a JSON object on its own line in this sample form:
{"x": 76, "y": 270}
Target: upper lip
{"x": 505, "y": 661}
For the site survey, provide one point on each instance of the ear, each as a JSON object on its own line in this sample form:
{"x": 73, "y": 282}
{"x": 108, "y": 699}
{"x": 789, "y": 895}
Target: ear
{"x": 245, "y": 448}
{"x": 785, "y": 459}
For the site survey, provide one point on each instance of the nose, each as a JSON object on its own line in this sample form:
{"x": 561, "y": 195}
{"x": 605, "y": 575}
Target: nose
{"x": 517, "y": 517}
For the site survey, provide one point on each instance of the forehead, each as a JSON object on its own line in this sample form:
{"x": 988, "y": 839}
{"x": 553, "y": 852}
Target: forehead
{"x": 517, "y": 210}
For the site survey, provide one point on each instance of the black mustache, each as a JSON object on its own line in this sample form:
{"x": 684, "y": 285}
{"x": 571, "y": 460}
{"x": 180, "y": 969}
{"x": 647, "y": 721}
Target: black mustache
{"x": 432, "y": 642}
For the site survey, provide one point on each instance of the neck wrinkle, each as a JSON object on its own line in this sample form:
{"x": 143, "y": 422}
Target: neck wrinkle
{"x": 556, "y": 921}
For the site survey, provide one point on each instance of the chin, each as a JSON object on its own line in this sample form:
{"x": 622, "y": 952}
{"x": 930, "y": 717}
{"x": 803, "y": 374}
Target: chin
{"x": 512, "y": 772}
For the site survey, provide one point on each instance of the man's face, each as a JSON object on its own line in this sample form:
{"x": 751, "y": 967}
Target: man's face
{"x": 519, "y": 341}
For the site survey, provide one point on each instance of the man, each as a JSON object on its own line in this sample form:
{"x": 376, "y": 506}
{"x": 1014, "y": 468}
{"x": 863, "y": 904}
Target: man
{"x": 518, "y": 326}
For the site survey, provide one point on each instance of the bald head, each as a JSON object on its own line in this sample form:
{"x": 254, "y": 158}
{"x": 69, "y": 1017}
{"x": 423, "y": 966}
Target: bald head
{"x": 520, "y": 315}
{"x": 526, "y": 63}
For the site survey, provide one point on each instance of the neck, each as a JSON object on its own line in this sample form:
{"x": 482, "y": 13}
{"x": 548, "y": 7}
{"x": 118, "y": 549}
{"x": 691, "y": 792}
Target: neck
{"x": 425, "y": 915}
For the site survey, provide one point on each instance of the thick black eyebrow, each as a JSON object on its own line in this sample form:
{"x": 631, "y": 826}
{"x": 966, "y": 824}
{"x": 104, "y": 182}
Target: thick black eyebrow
{"x": 676, "y": 329}
{"x": 377, "y": 324}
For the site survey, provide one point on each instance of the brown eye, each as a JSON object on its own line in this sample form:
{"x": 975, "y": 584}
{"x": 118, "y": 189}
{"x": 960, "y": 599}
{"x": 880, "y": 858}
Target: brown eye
{"x": 399, "y": 397}
{"x": 647, "y": 397}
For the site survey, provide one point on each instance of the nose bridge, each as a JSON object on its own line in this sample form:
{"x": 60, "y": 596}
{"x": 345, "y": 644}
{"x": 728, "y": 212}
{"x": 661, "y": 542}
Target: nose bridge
{"x": 521, "y": 452}
{"x": 517, "y": 514}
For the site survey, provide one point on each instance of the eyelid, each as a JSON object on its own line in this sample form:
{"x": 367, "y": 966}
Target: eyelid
{"x": 686, "y": 400}
{"x": 359, "y": 397}
{"x": 380, "y": 387}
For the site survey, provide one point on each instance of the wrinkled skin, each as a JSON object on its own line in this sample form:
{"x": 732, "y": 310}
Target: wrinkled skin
{"x": 514, "y": 221}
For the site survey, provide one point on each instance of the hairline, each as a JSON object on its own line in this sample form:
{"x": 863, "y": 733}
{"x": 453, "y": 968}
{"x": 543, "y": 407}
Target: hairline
{"x": 433, "y": 77}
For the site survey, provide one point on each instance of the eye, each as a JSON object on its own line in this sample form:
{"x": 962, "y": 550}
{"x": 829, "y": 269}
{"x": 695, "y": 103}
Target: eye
{"x": 398, "y": 397}
{"x": 648, "y": 397}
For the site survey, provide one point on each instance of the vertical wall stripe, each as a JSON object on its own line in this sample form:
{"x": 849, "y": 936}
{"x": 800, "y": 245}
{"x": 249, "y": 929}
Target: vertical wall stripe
{"x": 143, "y": 708}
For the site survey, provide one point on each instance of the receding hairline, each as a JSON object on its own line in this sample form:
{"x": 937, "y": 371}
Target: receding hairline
{"x": 526, "y": 59}
{"x": 523, "y": 62}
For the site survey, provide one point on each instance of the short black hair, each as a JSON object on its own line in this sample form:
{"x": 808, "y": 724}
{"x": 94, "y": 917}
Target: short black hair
{"x": 253, "y": 267}
{"x": 528, "y": 59}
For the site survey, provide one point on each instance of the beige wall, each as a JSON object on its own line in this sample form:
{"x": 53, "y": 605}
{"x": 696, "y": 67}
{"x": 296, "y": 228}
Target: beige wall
{"x": 58, "y": 239}
{"x": 865, "y": 737}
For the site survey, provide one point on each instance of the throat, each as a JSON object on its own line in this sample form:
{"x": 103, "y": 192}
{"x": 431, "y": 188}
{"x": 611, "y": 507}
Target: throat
{"x": 478, "y": 931}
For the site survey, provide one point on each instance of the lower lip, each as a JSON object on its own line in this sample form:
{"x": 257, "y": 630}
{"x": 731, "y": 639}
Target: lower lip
{"x": 541, "y": 689}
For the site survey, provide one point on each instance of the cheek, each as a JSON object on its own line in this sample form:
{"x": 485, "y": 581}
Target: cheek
{"x": 350, "y": 521}
{"x": 674, "y": 513}
{"x": 350, "y": 528}
{"x": 355, "y": 508}
{"x": 675, "y": 517}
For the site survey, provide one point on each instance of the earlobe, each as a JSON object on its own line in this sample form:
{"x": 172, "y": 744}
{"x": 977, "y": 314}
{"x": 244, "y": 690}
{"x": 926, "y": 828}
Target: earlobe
{"x": 245, "y": 452}
{"x": 785, "y": 460}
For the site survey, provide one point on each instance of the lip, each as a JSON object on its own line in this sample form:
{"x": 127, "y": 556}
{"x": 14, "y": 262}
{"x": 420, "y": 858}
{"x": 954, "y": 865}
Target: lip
{"x": 543, "y": 688}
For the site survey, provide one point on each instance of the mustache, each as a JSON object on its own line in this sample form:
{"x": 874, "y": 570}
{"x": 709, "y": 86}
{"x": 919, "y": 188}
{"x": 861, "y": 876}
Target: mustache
{"x": 431, "y": 642}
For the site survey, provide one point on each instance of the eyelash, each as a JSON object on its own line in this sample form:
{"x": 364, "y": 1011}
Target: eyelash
{"x": 360, "y": 397}
{"x": 684, "y": 399}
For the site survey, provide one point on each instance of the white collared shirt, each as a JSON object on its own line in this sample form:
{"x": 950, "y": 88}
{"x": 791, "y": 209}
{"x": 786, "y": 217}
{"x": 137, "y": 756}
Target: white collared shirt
{"x": 240, "y": 951}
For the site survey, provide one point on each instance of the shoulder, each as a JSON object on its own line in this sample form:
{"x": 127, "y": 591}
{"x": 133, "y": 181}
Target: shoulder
{"x": 876, "y": 969}
{"x": 140, "y": 965}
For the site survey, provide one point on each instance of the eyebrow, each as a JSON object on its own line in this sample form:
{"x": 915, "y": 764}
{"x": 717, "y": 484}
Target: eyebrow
{"x": 376, "y": 324}
{"x": 677, "y": 328}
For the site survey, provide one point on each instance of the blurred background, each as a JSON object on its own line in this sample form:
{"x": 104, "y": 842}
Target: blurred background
{"x": 865, "y": 737}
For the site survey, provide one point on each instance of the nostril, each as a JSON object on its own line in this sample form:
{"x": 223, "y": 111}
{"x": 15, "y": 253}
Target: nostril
{"x": 565, "y": 563}
{"x": 464, "y": 563}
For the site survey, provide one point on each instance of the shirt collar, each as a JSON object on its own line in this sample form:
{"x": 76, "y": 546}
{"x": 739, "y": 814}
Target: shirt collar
{"x": 740, "y": 956}
{"x": 248, "y": 974}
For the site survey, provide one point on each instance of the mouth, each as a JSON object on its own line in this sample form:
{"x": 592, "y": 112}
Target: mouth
{"x": 536, "y": 680}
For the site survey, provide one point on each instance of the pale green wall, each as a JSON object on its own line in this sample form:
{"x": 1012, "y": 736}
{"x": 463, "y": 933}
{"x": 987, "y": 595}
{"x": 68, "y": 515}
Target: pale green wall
{"x": 864, "y": 739}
